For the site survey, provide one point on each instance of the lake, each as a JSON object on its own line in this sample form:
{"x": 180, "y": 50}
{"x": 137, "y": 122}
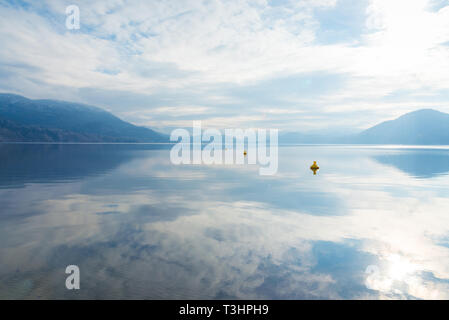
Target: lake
{"x": 373, "y": 223}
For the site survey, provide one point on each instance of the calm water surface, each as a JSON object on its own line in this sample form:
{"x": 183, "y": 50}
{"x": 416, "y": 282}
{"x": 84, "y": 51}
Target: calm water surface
{"x": 373, "y": 223}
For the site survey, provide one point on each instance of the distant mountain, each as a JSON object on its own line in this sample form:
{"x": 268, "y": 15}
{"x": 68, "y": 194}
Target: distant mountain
{"x": 309, "y": 138}
{"x": 422, "y": 127}
{"x": 25, "y": 120}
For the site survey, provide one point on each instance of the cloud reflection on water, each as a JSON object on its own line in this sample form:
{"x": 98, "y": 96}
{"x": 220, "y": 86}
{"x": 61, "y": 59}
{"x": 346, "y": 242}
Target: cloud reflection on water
{"x": 147, "y": 229}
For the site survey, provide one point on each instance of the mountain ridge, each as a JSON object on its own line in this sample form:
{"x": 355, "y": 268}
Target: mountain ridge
{"x": 420, "y": 127}
{"x": 45, "y": 120}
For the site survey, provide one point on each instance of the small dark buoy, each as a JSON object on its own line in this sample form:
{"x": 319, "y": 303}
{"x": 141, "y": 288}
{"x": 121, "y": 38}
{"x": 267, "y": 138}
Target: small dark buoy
{"x": 244, "y": 153}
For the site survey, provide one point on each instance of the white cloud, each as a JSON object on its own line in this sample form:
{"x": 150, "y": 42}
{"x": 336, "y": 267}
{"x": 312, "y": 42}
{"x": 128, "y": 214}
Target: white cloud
{"x": 200, "y": 47}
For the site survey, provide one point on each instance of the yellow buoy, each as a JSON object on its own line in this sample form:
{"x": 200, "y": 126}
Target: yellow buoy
{"x": 244, "y": 153}
{"x": 314, "y": 167}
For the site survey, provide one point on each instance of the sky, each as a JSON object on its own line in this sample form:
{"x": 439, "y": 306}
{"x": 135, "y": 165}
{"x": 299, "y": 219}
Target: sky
{"x": 302, "y": 65}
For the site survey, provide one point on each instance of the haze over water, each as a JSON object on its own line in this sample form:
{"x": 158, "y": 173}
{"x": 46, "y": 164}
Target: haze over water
{"x": 373, "y": 223}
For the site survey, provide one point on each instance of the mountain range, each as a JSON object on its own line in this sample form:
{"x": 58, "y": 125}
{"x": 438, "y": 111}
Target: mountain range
{"x": 421, "y": 127}
{"x": 26, "y": 120}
